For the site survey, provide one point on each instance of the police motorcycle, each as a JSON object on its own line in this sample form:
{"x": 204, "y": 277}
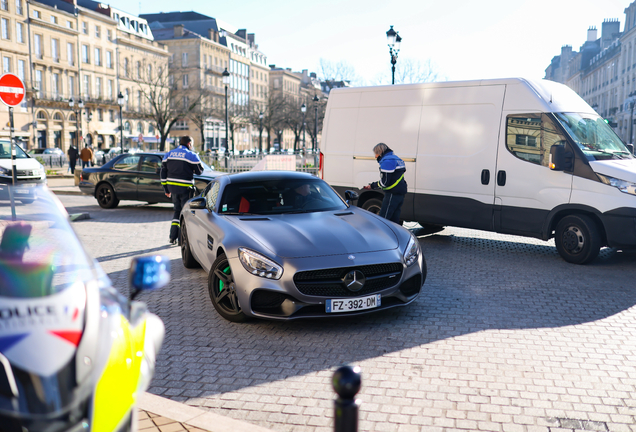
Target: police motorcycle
{"x": 75, "y": 354}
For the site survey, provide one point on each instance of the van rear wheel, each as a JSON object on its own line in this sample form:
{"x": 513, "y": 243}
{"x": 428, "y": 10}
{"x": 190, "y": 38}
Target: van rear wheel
{"x": 373, "y": 205}
{"x": 578, "y": 239}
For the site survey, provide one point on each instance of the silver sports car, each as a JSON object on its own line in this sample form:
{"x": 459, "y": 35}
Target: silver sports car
{"x": 284, "y": 245}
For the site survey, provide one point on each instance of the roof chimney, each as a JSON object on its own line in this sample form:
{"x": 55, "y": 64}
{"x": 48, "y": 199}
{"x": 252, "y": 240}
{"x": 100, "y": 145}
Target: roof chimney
{"x": 178, "y": 30}
{"x": 213, "y": 35}
{"x": 592, "y": 34}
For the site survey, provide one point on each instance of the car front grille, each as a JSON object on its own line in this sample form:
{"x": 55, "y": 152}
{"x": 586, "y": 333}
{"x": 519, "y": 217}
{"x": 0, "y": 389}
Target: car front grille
{"x": 329, "y": 282}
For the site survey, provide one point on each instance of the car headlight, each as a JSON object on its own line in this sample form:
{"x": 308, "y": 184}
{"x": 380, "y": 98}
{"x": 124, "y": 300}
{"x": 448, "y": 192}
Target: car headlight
{"x": 412, "y": 251}
{"x": 5, "y": 172}
{"x": 259, "y": 265}
{"x": 621, "y": 185}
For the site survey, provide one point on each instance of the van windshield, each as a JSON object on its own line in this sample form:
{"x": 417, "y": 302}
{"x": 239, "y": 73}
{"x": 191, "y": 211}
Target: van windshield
{"x": 594, "y": 136}
{"x": 5, "y": 151}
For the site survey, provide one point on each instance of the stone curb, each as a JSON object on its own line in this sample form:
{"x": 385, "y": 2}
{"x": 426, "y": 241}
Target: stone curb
{"x": 79, "y": 216}
{"x": 195, "y": 417}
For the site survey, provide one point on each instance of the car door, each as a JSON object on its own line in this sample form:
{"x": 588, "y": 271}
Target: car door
{"x": 203, "y": 231}
{"x": 124, "y": 177}
{"x": 149, "y": 182}
{"x": 526, "y": 189}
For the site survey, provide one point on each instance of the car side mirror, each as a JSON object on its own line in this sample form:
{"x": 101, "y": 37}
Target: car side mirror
{"x": 630, "y": 147}
{"x": 148, "y": 273}
{"x": 351, "y": 196}
{"x": 197, "y": 203}
{"x": 560, "y": 158}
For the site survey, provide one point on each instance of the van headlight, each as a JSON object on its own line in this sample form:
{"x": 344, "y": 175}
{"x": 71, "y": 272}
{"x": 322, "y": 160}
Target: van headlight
{"x": 259, "y": 265}
{"x": 621, "y": 185}
{"x": 412, "y": 251}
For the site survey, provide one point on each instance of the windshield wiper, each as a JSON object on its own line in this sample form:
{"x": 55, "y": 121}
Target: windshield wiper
{"x": 612, "y": 153}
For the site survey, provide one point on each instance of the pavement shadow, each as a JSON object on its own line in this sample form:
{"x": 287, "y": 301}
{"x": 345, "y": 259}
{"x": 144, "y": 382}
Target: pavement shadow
{"x": 474, "y": 284}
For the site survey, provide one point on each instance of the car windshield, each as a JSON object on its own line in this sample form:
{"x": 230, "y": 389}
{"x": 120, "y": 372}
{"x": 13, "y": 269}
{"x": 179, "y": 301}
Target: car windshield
{"x": 40, "y": 254}
{"x": 593, "y": 136}
{"x": 5, "y": 151}
{"x": 279, "y": 196}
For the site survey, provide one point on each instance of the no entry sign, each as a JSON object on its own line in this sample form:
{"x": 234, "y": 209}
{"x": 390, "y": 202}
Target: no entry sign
{"x": 11, "y": 90}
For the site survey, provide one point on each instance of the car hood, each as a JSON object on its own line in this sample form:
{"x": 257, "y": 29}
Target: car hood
{"x": 623, "y": 169}
{"x": 319, "y": 233}
{"x": 21, "y": 163}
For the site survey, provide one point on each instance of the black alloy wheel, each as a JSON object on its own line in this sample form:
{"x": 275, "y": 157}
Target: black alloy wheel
{"x": 106, "y": 197}
{"x": 578, "y": 239}
{"x": 186, "y": 254}
{"x": 222, "y": 290}
{"x": 373, "y": 205}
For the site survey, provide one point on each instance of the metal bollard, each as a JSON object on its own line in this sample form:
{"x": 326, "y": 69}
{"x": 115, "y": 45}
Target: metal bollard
{"x": 346, "y": 382}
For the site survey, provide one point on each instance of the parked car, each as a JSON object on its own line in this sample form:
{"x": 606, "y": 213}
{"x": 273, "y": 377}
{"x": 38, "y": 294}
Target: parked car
{"x": 132, "y": 177}
{"x": 284, "y": 245}
{"x": 45, "y": 151}
{"x": 29, "y": 172}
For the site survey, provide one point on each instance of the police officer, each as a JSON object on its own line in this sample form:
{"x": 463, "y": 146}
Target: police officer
{"x": 177, "y": 177}
{"x": 392, "y": 170}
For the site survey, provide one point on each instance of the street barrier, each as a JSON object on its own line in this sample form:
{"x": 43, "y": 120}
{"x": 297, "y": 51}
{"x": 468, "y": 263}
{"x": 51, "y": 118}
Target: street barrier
{"x": 346, "y": 382}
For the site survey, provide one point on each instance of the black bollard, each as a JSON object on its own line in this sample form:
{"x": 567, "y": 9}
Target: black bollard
{"x": 346, "y": 382}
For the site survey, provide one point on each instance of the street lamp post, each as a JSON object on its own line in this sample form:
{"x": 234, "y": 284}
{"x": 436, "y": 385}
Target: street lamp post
{"x": 121, "y": 99}
{"x": 631, "y": 118}
{"x": 393, "y": 39}
{"x": 260, "y": 133}
{"x": 303, "y": 109}
{"x": 226, "y": 81}
{"x": 78, "y": 118}
{"x": 314, "y": 146}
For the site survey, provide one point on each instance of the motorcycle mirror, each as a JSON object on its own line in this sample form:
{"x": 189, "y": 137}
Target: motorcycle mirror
{"x": 148, "y": 273}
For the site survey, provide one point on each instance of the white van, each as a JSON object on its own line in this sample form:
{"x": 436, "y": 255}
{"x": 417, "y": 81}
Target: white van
{"x": 29, "y": 172}
{"x": 513, "y": 156}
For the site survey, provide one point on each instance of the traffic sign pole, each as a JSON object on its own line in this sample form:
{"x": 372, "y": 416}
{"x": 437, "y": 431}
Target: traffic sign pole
{"x": 14, "y": 172}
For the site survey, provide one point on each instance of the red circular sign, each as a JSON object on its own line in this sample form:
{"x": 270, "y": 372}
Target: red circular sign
{"x": 11, "y": 90}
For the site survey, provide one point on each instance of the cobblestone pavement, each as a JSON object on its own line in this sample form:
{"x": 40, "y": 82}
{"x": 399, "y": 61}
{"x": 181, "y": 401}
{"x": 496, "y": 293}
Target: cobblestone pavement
{"x": 505, "y": 336}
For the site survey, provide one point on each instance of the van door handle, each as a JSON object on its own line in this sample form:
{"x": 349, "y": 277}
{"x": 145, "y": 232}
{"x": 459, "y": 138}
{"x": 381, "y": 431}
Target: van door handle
{"x": 485, "y": 177}
{"x": 501, "y": 178}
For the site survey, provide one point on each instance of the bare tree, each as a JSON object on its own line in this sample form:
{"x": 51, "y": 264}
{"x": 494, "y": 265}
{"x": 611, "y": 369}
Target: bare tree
{"x": 273, "y": 111}
{"x": 410, "y": 71}
{"x": 340, "y": 71}
{"x": 314, "y": 126}
{"x": 209, "y": 105}
{"x": 168, "y": 101}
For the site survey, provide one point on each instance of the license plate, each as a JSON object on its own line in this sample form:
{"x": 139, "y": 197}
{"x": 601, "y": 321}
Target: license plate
{"x": 353, "y": 304}
{"x": 23, "y": 191}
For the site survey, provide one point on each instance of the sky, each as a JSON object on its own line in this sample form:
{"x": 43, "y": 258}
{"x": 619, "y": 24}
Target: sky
{"x": 462, "y": 39}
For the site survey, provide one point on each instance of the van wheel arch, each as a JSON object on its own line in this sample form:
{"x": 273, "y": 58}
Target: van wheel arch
{"x": 564, "y": 213}
{"x": 367, "y": 197}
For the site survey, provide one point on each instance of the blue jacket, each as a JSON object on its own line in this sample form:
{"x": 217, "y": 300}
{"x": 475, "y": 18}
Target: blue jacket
{"x": 392, "y": 170}
{"x": 178, "y": 168}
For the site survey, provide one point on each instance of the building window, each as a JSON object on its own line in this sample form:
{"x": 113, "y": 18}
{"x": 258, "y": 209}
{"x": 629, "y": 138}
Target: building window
{"x": 5, "y": 28}
{"x": 19, "y": 32}
{"x": 97, "y": 32}
{"x": 18, "y": 7}
{"x": 184, "y": 59}
{"x": 109, "y": 90}
{"x": 37, "y": 45}
{"x": 138, "y": 70}
{"x": 71, "y": 85}
{"x": 69, "y": 24}
{"x": 37, "y": 14}
{"x": 38, "y": 81}
{"x": 55, "y": 84}
{"x": 126, "y": 73}
{"x": 84, "y": 27}
{"x": 70, "y": 53}
{"x": 98, "y": 88}
{"x": 111, "y": 115}
{"x": 140, "y": 128}
{"x": 185, "y": 81}
{"x": 55, "y": 50}
{"x": 4, "y": 5}
{"x": 87, "y": 86}
{"x": 109, "y": 34}
{"x": 53, "y": 19}
{"x": 181, "y": 125}
{"x": 21, "y": 67}
{"x": 109, "y": 59}
{"x": 139, "y": 99}
{"x": 149, "y": 72}
{"x": 98, "y": 56}
{"x": 100, "y": 114}
{"x": 85, "y": 57}
{"x": 6, "y": 65}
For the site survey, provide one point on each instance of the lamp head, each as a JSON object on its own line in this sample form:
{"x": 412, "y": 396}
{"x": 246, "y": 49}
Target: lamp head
{"x": 390, "y": 36}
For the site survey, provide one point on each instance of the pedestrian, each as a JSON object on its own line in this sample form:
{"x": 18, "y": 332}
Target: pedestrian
{"x": 72, "y": 157}
{"x": 177, "y": 177}
{"x": 392, "y": 182}
{"x": 87, "y": 156}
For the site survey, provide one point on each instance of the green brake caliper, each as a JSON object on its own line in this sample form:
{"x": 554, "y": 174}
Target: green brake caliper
{"x": 226, "y": 271}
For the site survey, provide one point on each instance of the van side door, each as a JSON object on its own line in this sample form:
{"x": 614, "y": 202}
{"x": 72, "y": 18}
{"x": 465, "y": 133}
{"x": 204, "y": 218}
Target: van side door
{"x": 526, "y": 188}
{"x": 457, "y": 154}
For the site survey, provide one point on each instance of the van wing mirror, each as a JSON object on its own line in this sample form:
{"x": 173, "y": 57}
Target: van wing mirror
{"x": 560, "y": 158}
{"x": 630, "y": 147}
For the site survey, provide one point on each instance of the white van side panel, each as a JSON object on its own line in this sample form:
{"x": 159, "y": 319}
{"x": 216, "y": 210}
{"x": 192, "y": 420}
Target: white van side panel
{"x": 600, "y": 196}
{"x": 458, "y": 139}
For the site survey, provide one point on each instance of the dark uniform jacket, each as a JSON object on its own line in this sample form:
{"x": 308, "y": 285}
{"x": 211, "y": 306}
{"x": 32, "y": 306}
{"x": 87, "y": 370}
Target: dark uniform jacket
{"x": 392, "y": 170}
{"x": 179, "y": 167}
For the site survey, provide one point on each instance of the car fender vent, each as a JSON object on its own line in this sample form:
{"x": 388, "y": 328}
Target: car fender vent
{"x": 254, "y": 219}
{"x": 343, "y": 214}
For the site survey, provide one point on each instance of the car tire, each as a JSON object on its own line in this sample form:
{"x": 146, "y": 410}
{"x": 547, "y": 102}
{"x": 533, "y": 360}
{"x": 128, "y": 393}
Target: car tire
{"x": 106, "y": 197}
{"x": 222, "y": 291}
{"x": 578, "y": 239}
{"x": 373, "y": 205}
{"x": 186, "y": 253}
{"x": 27, "y": 201}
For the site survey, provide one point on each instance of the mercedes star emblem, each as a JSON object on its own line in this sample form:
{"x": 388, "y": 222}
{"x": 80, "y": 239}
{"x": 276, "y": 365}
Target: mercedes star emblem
{"x": 354, "y": 280}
